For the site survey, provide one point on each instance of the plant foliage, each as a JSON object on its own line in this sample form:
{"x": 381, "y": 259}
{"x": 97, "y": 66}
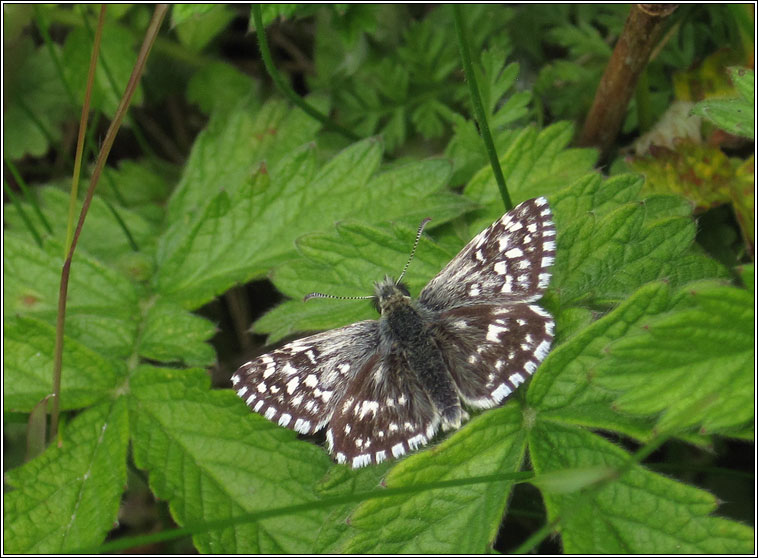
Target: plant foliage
{"x": 220, "y": 182}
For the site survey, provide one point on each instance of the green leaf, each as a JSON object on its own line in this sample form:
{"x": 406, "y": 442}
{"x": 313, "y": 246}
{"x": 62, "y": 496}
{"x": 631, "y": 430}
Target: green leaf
{"x": 226, "y": 154}
{"x": 116, "y": 60}
{"x": 535, "y": 163}
{"x": 219, "y": 86}
{"x": 68, "y": 497}
{"x": 138, "y": 185}
{"x": 692, "y": 365}
{"x": 241, "y": 236}
{"x": 36, "y": 101}
{"x": 563, "y": 388}
{"x": 197, "y": 24}
{"x": 86, "y": 377}
{"x": 464, "y": 519}
{"x": 736, "y": 116}
{"x": 101, "y": 305}
{"x": 182, "y": 12}
{"x": 604, "y": 256}
{"x": 639, "y": 513}
{"x": 346, "y": 264}
{"x": 210, "y": 458}
{"x": 171, "y": 334}
{"x": 102, "y": 236}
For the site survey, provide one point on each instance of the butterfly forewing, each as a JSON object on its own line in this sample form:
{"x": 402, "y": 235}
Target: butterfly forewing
{"x": 297, "y": 385}
{"x": 508, "y": 261}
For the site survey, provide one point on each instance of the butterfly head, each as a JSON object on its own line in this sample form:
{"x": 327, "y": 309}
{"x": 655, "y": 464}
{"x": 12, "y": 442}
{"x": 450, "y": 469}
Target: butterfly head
{"x": 388, "y": 293}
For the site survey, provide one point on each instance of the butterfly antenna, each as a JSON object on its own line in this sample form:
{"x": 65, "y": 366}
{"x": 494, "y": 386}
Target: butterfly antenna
{"x": 309, "y": 296}
{"x": 413, "y": 252}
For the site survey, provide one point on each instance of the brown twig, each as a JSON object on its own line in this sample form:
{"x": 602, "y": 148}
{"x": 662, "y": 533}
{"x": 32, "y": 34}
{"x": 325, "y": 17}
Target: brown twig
{"x": 641, "y": 32}
{"x": 110, "y": 136}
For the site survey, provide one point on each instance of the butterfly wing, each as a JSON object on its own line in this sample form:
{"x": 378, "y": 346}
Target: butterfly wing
{"x": 490, "y": 349}
{"x": 298, "y": 385}
{"x": 384, "y": 414}
{"x": 507, "y": 262}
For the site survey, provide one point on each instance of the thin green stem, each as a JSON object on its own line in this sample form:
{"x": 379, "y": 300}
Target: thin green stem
{"x": 285, "y": 88}
{"x": 110, "y": 136}
{"x": 195, "y": 528}
{"x": 479, "y": 112}
{"x": 83, "y": 129}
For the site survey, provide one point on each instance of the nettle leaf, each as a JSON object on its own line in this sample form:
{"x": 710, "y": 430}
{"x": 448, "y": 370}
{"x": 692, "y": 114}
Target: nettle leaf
{"x": 241, "y": 236}
{"x": 604, "y": 256}
{"x": 68, "y": 497}
{"x": 535, "y": 163}
{"x": 212, "y": 459}
{"x": 117, "y": 51}
{"x": 461, "y": 520}
{"x": 219, "y": 87}
{"x": 346, "y": 264}
{"x": 196, "y": 25}
{"x": 692, "y": 365}
{"x": 231, "y": 148}
{"x": 102, "y": 304}
{"x": 639, "y": 513}
{"x": 36, "y": 101}
{"x": 736, "y": 116}
{"x": 563, "y": 388}
{"x": 171, "y": 334}
{"x": 102, "y": 236}
{"x": 86, "y": 378}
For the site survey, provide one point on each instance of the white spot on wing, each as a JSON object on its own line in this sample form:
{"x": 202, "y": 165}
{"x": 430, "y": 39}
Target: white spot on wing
{"x": 516, "y": 379}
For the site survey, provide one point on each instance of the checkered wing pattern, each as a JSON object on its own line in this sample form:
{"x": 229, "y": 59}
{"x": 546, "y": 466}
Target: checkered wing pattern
{"x": 298, "y": 385}
{"x": 507, "y": 262}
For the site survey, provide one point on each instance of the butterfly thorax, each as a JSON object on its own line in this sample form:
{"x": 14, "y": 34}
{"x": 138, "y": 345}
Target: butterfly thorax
{"x": 405, "y": 332}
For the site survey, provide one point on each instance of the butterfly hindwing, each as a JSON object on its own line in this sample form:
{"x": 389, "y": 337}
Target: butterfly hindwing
{"x": 383, "y": 415}
{"x": 508, "y": 261}
{"x": 490, "y": 350}
{"x": 298, "y": 384}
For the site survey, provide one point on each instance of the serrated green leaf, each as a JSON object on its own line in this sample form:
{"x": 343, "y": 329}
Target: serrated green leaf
{"x": 68, "y": 497}
{"x": 219, "y": 86}
{"x": 36, "y": 101}
{"x": 535, "y": 163}
{"x": 347, "y": 264}
{"x": 228, "y": 151}
{"x": 182, "y": 12}
{"x": 102, "y": 304}
{"x": 211, "y": 459}
{"x": 639, "y": 513}
{"x": 117, "y": 52}
{"x": 563, "y": 389}
{"x": 450, "y": 520}
{"x": 197, "y": 24}
{"x": 102, "y": 236}
{"x": 736, "y": 116}
{"x": 86, "y": 378}
{"x": 171, "y": 334}
{"x": 693, "y": 365}
{"x": 138, "y": 185}
{"x": 242, "y": 236}
{"x": 603, "y": 258}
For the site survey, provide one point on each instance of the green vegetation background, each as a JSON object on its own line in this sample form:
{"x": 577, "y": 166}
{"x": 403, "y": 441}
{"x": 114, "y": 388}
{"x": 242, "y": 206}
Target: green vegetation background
{"x": 636, "y": 432}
